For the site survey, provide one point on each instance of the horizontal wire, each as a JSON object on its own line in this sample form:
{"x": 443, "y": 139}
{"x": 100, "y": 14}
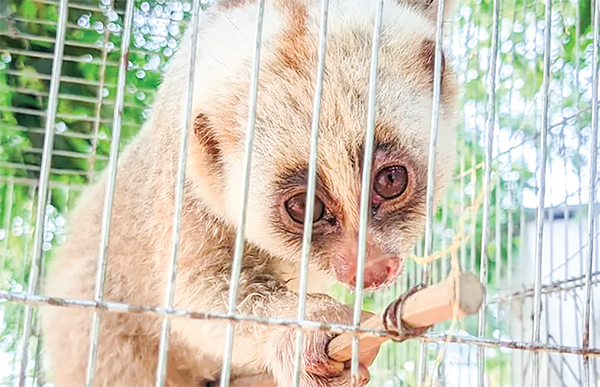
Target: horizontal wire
{"x": 67, "y": 58}
{"x": 64, "y": 116}
{"x": 83, "y": 7}
{"x": 72, "y": 43}
{"x": 67, "y": 133}
{"x": 36, "y": 168}
{"x": 68, "y": 79}
{"x": 118, "y": 307}
{"x": 32, "y": 182}
{"x": 554, "y": 287}
{"x": 74, "y": 97}
{"x": 55, "y": 152}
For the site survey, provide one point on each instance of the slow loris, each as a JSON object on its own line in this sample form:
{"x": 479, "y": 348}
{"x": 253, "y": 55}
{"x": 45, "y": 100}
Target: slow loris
{"x": 141, "y": 235}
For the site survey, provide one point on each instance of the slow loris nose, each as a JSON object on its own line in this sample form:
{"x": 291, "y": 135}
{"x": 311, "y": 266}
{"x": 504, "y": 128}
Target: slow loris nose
{"x": 380, "y": 268}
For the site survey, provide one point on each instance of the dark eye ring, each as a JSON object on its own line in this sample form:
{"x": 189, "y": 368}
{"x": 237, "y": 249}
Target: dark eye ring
{"x": 295, "y": 207}
{"x": 391, "y": 182}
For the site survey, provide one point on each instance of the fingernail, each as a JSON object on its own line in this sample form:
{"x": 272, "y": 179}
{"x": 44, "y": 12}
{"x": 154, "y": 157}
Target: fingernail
{"x": 335, "y": 366}
{"x": 363, "y": 376}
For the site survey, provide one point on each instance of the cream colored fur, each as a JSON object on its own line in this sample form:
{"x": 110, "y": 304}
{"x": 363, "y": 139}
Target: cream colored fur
{"x": 141, "y": 235}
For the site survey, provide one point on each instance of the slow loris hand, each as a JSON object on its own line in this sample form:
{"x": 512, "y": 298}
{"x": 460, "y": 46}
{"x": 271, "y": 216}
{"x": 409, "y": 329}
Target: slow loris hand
{"x": 318, "y": 369}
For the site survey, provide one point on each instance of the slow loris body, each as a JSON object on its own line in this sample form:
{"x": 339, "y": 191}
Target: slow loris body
{"x": 141, "y": 225}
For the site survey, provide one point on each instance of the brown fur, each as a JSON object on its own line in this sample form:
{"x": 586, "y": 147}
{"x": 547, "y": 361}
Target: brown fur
{"x": 141, "y": 224}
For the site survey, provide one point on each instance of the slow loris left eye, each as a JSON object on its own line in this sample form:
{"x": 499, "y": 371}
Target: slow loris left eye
{"x": 296, "y": 206}
{"x": 391, "y": 182}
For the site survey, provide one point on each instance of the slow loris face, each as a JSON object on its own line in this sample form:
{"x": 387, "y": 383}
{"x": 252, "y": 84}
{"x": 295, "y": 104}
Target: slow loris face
{"x": 283, "y": 123}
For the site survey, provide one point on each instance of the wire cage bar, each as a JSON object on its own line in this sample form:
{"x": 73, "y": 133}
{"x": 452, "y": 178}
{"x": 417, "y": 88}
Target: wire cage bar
{"x": 77, "y": 80}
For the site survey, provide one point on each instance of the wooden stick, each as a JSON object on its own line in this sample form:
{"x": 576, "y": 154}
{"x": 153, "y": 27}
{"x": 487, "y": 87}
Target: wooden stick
{"x": 429, "y": 306}
{"x": 462, "y": 294}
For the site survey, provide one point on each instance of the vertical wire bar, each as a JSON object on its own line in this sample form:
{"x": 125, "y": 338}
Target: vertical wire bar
{"x": 489, "y": 138}
{"x": 591, "y": 218}
{"x": 405, "y": 347}
{"x": 509, "y": 259}
{"x": 31, "y": 192}
{"x": 566, "y": 217}
{"x": 433, "y": 139}
{"x": 522, "y": 256}
{"x": 498, "y": 268}
{"x": 463, "y": 158}
{"x": 579, "y": 146}
{"x": 560, "y": 368}
{"x": 433, "y": 134}
{"x": 550, "y": 216}
{"x": 240, "y": 237}
{"x": 593, "y": 332}
{"x": 445, "y": 239}
{"x": 462, "y": 225}
{"x": 509, "y": 220}
{"x": 110, "y": 191}
{"x": 38, "y": 241}
{"x": 537, "y": 306}
{"x": 365, "y": 188}
{"x": 99, "y": 103}
{"x": 8, "y": 204}
{"x": 563, "y": 150}
{"x": 36, "y": 328}
{"x": 165, "y": 333}
{"x": 474, "y": 140}
{"x": 311, "y": 190}
{"x": 525, "y": 302}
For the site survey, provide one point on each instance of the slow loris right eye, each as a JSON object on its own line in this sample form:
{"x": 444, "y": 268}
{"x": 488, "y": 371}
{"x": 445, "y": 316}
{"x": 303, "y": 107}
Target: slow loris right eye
{"x": 391, "y": 182}
{"x": 296, "y": 206}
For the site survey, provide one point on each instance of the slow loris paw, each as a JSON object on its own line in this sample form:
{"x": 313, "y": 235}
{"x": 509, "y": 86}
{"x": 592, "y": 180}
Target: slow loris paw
{"x": 318, "y": 369}
{"x": 392, "y": 317}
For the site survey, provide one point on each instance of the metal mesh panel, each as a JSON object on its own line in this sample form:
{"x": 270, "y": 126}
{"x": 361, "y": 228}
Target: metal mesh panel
{"x": 520, "y": 209}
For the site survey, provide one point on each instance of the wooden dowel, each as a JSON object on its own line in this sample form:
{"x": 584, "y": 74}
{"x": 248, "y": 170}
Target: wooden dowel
{"x": 429, "y": 306}
{"x": 424, "y": 308}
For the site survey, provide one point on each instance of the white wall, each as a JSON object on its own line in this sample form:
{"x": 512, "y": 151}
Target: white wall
{"x": 562, "y": 313}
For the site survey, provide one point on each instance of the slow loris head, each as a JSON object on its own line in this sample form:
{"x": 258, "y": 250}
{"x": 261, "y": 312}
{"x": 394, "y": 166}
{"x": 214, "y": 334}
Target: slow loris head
{"x": 287, "y": 79}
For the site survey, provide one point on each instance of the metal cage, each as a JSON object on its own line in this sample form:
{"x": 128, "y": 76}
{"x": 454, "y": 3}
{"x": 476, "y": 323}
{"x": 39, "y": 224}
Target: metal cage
{"x": 76, "y": 78}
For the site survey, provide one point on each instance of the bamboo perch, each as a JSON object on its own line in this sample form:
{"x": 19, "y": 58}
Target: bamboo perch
{"x": 426, "y": 307}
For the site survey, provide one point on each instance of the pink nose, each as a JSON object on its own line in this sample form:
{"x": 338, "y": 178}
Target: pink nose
{"x": 380, "y": 268}
{"x": 378, "y": 273}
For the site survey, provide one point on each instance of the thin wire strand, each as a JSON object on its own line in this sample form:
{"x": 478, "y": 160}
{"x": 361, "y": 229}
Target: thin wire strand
{"x": 537, "y": 306}
{"x": 365, "y": 189}
{"x": 498, "y": 269}
{"x": 165, "y": 333}
{"x": 8, "y": 207}
{"x": 239, "y": 237}
{"x": 433, "y": 134}
{"x": 117, "y": 307}
{"x": 311, "y": 189}
{"x": 102, "y": 260}
{"x": 44, "y": 183}
{"x": 99, "y": 102}
{"x": 489, "y": 137}
{"x": 591, "y": 215}
{"x": 21, "y": 277}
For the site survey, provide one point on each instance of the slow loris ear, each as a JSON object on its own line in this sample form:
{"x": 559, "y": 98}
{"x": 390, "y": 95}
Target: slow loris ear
{"x": 430, "y": 7}
{"x": 206, "y": 156}
{"x": 205, "y": 136}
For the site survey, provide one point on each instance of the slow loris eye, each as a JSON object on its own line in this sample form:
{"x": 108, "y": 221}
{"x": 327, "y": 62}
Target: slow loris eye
{"x": 295, "y": 207}
{"x": 391, "y": 182}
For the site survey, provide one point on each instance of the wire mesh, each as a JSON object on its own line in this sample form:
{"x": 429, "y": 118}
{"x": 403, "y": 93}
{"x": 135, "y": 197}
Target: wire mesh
{"x": 527, "y": 153}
